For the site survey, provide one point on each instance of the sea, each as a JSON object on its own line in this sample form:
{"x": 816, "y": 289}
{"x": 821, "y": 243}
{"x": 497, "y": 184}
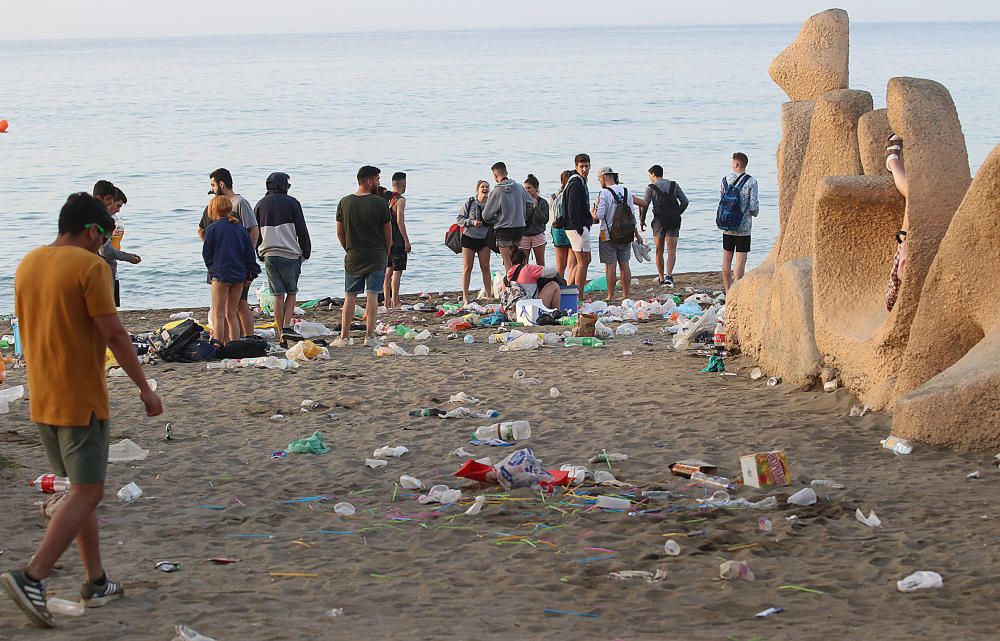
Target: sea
{"x": 156, "y": 116}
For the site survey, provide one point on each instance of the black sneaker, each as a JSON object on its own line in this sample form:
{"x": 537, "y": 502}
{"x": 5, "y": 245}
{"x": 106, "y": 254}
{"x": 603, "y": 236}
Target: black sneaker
{"x": 668, "y": 281}
{"x": 94, "y": 596}
{"x": 29, "y": 596}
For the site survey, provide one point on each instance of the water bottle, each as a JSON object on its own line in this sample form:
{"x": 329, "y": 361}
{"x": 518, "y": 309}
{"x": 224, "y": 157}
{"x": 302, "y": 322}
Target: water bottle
{"x": 469, "y": 339}
{"x": 715, "y": 481}
{"x": 567, "y": 320}
{"x": 428, "y": 411}
{"x": 720, "y": 335}
{"x": 509, "y": 431}
{"x": 897, "y": 445}
{"x": 66, "y": 608}
{"x": 50, "y": 484}
{"x": 586, "y": 341}
{"x": 833, "y": 485}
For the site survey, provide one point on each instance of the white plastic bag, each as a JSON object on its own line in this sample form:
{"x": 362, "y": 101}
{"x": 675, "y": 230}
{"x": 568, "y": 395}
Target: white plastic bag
{"x": 626, "y": 329}
{"x": 921, "y": 580}
{"x": 521, "y": 469}
{"x": 126, "y": 451}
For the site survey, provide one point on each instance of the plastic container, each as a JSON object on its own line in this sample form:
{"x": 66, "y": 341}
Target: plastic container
{"x": 805, "y": 496}
{"x": 469, "y": 339}
{"x": 50, "y": 484}
{"x": 897, "y": 445}
{"x": 66, "y": 608}
{"x": 508, "y": 431}
{"x": 586, "y": 341}
{"x": 672, "y": 548}
{"x": 129, "y": 493}
{"x": 523, "y": 343}
{"x": 569, "y": 299}
{"x": 719, "y": 337}
{"x": 344, "y": 509}
{"x": 720, "y": 482}
{"x": 613, "y": 503}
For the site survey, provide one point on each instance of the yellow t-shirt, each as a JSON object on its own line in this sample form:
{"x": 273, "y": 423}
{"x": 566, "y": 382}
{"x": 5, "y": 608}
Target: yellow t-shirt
{"x": 57, "y": 293}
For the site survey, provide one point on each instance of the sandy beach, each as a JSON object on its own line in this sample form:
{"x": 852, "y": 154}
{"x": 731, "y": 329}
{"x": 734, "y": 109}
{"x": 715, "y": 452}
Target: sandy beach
{"x": 530, "y": 565}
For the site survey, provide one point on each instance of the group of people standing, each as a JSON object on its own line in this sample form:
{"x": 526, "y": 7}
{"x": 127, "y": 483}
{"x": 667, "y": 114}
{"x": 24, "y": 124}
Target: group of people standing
{"x": 514, "y": 217}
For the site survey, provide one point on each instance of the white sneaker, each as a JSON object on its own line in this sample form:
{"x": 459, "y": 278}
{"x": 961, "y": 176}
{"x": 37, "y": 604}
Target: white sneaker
{"x": 340, "y": 342}
{"x": 371, "y": 341}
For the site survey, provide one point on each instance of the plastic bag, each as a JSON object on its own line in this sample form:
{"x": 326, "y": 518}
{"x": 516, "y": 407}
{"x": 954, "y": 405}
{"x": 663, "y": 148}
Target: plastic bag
{"x": 309, "y": 445}
{"x": 599, "y": 284}
{"x": 265, "y": 298}
{"x": 184, "y": 633}
{"x": 305, "y": 351}
{"x": 522, "y": 469}
{"x": 921, "y": 580}
{"x": 626, "y": 329}
{"x": 126, "y": 451}
{"x": 522, "y": 343}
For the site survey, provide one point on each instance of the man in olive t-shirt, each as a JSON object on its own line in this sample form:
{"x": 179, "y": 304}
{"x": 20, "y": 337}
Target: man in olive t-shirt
{"x": 365, "y": 233}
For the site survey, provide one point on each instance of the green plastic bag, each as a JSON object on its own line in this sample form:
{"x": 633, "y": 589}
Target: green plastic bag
{"x": 310, "y": 445}
{"x": 597, "y": 285}
{"x": 715, "y": 364}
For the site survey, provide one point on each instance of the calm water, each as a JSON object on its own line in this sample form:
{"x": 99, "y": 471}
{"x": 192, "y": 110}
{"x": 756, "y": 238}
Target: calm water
{"x": 156, "y": 116}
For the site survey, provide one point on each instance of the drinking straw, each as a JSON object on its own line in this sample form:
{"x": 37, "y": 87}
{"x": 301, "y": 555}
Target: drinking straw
{"x": 801, "y": 589}
{"x": 301, "y": 574}
{"x": 590, "y": 615}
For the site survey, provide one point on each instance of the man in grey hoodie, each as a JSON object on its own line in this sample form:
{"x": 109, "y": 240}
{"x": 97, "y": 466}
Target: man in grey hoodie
{"x": 504, "y": 211}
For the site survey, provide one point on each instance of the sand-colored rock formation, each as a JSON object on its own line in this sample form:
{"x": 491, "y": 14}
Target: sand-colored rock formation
{"x": 950, "y": 376}
{"x": 854, "y": 244}
{"x": 817, "y": 62}
{"x": 873, "y": 132}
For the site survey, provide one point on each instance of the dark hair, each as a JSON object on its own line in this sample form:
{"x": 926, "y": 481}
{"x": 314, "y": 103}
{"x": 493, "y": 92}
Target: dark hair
{"x": 564, "y": 177}
{"x": 222, "y": 175}
{"x": 83, "y": 209}
{"x": 120, "y": 196}
{"x": 741, "y": 158}
{"x": 581, "y": 158}
{"x": 531, "y": 180}
{"x": 518, "y": 257}
{"x": 398, "y": 177}
{"x": 104, "y": 188}
{"x": 657, "y": 171}
{"x": 367, "y": 172}
{"x": 499, "y": 166}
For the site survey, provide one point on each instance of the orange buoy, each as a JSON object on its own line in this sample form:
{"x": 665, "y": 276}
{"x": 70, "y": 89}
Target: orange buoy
{"x": 3, "y": 126}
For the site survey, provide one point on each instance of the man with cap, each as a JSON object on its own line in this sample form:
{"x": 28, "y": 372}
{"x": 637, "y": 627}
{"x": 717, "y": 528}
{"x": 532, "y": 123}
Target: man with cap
{"x": 614, "y": 254}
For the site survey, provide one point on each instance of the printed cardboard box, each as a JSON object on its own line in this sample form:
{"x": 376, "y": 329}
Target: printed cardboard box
{"x": 765, "y": 469}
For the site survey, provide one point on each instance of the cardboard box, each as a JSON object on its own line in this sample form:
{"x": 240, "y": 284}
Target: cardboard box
{"x": 765, "y": 469}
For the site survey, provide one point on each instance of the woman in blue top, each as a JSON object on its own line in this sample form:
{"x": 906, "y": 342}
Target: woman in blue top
{"x": 231, "y": 263}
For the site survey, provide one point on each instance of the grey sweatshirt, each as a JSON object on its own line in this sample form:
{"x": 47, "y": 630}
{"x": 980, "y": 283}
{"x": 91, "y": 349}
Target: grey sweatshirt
{"x": 111, "y": 256}
{"x": 506, "y": 204}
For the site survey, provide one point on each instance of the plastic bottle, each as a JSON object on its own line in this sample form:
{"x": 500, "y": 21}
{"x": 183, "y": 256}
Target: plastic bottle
{"x": 498, "y": 339}
{"x": 469, "y": 339}
{"x": 720, "y": 335}
{"x": 50, "y": 484}
{"x": 613, "y": 503}
{"x": 567, "y": 320}
{"x": 897, "y": 445}
{"x": 311, "y": 330}
{"x": 66, "y": 608}
{"x": 428, "y": 411}
{"x": 715, "y": 481}
{"x": 508, "y": 431}
{"x": 586, "y": 341}
{"x": 523, "y": 343}
{"x": 402, "y": 330}
{"x": 827, "y": 483}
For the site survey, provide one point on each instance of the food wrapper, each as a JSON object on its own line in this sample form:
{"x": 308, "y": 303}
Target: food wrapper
{"x": 765, "y": 469}
{"x": 688, "y": 467}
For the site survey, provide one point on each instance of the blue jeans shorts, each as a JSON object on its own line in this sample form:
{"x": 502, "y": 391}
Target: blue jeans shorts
{"x": 283, "y": 274}
{"x": 371, "y": 282}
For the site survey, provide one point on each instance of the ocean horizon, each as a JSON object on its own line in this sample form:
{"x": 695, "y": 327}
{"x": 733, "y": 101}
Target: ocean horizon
{"x": 157, "y": 115}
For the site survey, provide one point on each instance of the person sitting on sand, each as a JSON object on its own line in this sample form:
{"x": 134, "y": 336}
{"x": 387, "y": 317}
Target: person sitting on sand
{"x": 894, "y": 164}
{"x": 536, "y": 218}
{"x": 537, "y": 281}
{"x": 474, "y": 233}
{"x": 614, "y": 254}
{"x": 232, "y": 266}
{"x": 565, "y": 258}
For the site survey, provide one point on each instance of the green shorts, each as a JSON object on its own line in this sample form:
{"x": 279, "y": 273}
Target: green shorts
{"x": 81, "y": 453}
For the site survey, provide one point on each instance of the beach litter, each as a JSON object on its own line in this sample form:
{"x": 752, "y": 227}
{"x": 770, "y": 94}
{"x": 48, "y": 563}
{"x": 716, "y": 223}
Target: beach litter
{"x": 897, "y": 445}
{"x": 871, "y": 520}
{"x": 756, "y": 374}
{"x": 476, "y": 507}
{"x": 129, "y": 493}
{"x": 672, "y": 548}
{"x": 167, "y": 566}
{"x": 554, "y": 392}
{"x": 805, "y": 496}
{"x": 715, "y": 364}
{"x": 858, "y": 411}
{"x": 462, "y": 397}
{"x": 440, "y": 494}
{"x": 921, "y": 580}
{"x": 651, "y": 577}
{"x": 390, "y": 452}
{"x": 768, "y": 612}
{"x": 730, "y": 570}
{"x": 8, "y": 396}
{"x": 410, "y": 483}
{"x": 184, "y": 633}
{"x": 972, "y": 475}
{"x": 765, "y": 469}
{"x": 335, "y": 612}
{"x": 375, "y": 463}
{"x": 831, "y": 386}
{"x": 309, "y": 445}
{"x": 344, "y": 508}
{"x": 126, "y": 451}
{"x": 66, "y": 608}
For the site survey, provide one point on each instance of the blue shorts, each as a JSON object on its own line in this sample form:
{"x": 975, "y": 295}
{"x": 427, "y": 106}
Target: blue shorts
{"x": 282, "y": 274}
{"x": 371, "y": 282}
{"x": 559, "y": 237}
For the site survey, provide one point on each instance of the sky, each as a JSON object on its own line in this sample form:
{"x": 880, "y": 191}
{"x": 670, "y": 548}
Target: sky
{"x": 60, "y": 19}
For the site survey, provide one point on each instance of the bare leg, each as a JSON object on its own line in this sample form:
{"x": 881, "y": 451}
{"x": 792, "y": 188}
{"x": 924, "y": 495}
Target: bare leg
{"x": 505, "y": 253}
{"x": 371, "y": 310}
{"x": 550, "y": 295}
{"x": 73, "y": 516}
{"x": 727, "y": 270}
{"x": 88, "y": 544}
{"x": 582, "y": 263}
{"x": 246, "y": 317}
{"x": 570, "y": 263}
{"x": 539, "y": 255}
{"x": 397, "y": 279}
{"x": 218, "y": 311}
{"x": 289, "y": 313}
{"x": 347, "y": 315}
{"x": 233, "y": 308}
{"x": 387, "y": 287}
{"x": 467, "y": 257}
{"x": 895, "y": 166}
{"x": 671, "y": 255}
{"x": 484, "y": 266}
{"x": 611, "y": 275}
{"x": 279, "y": 313}
{"x": 626, "y": 278}
{"x": 562, "y": 255}
{"x": 659, "y": 256}
{"x": 740, "y": 266}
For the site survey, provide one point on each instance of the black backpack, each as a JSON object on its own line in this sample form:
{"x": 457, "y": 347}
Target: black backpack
{"x": 246, "y": 347}
{"x": 622, "y": 229}
{"x": 169, "y": 343}
{"x": 666, "y": 207}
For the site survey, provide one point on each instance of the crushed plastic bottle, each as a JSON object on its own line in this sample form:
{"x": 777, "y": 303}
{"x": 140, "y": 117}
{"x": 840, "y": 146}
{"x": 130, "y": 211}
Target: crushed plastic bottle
{"x": 66, "y": 608}
{"x": 129, "y": 493}
{"x": 897, "y": 445}
{"x": 586, "y": 341}
{"x": 522, "y": 343}
{"x": 805, "y": 496}
{"x": 410, "y": 482}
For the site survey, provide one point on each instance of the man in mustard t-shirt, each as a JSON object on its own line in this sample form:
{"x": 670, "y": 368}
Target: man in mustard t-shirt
{"x": 64, "y": 300}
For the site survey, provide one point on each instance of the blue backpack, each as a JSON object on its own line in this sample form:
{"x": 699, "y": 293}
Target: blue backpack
{"x": 730, "y": 215}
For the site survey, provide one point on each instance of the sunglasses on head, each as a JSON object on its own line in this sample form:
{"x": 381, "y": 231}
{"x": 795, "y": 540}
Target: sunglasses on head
{"x": 104, "y": 232}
